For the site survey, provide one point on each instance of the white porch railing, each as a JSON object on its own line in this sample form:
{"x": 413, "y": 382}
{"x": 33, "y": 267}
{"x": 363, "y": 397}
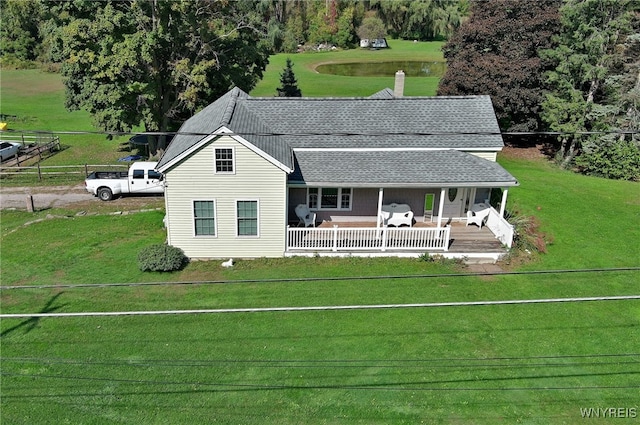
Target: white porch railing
{"x": 500, "y": 227}
{"x": 368, "y": 238}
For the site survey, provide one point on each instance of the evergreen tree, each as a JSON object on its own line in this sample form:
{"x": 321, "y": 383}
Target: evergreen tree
{"x": 594, "y": 87}
{"x": 288, "y": 83}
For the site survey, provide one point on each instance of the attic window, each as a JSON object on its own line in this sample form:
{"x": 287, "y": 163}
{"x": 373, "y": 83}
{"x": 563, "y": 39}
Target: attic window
{"x": 224, "y": 160}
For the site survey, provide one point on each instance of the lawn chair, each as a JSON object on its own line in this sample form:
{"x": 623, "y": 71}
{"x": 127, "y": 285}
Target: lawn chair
{"x": 307, "y": 217}
{"x": 477, "y": 215}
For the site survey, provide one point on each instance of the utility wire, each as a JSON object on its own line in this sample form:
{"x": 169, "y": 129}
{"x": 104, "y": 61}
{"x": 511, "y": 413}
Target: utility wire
{"x": 324, "y": 133}
{"x": 316, "y": 279}
{"x": 318, "y": 308}
{"x": 435, "y": 363}
{"x": 396, "y": 386}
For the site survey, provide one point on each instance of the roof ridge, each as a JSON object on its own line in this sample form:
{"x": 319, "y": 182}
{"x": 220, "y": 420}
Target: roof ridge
{"x": 234, "y": 95}
{"x": 368, "y": 98}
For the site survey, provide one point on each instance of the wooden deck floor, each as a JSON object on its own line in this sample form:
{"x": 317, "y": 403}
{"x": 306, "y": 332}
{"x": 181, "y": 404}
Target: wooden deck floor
{"x": 464, "y": 239}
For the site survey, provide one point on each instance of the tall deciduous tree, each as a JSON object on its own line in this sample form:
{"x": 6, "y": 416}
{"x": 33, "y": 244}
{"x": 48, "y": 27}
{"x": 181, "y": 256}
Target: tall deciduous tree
{"x": 19, "y": 34}
{"x": 288, "y": 83}
{"x": 421, "y": 19}
{"x": 595, "y": 85}
{"x": 155, "y": 62}
{"x": 371, "y": 28}
{"x": 496, "y": 52}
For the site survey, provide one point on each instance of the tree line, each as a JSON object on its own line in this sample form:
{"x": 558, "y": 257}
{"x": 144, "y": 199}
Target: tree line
{"x": 156, "y": 62}
{"x": 567, "y": 66}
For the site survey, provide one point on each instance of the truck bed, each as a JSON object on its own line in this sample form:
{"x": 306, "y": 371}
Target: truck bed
{"x": 108, "y": 175}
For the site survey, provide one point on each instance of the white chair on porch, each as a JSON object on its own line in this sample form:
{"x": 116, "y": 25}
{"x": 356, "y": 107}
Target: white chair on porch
{"x": 477, "y": 214}
{"x": 307, "y": 217}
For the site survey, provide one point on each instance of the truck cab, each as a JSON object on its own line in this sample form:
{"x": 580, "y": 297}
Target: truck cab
{"x": 144, "y": 179}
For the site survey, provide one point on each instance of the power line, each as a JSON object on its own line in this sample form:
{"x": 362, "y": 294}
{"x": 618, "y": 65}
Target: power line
{"x": 318, "y": 308}
{"x": 324, "y": 133}
{"x": 327, "y": 279}
{"x": 435, "y": 363}
{"x": 395, "y": 386}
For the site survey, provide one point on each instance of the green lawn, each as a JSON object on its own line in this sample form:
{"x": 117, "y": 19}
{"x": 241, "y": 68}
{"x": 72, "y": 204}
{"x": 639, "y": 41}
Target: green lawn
{"x": 313, "y": 84}
{"x": 533, "y": 364}
{"x": 538, "y": 363}
{"x": 593, "y": 222}
{"x": 36, "y": 99}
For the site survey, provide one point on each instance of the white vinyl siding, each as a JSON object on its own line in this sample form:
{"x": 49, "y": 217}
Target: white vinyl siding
{"x": 254, "y": 179}
{"x": 491, "y": 156}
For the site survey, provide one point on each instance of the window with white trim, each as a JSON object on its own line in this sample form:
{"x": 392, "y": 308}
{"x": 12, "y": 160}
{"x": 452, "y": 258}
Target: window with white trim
{"x": 247, "y": 218}
{"x": 204, "y": 218}
{"x": 224, "y": 160}
{"x": 329, "y": 198}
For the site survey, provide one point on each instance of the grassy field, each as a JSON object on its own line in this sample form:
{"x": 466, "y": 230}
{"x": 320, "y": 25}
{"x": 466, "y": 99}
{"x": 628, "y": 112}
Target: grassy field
{"x": 500, "y": 364}
{"x": 311, "y": 83}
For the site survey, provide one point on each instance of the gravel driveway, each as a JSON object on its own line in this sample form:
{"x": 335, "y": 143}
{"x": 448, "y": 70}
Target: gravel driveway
{"x": 45, "y": 197}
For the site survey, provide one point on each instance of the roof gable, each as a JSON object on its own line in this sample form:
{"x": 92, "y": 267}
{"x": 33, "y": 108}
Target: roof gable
{"x": 226, "y": 116}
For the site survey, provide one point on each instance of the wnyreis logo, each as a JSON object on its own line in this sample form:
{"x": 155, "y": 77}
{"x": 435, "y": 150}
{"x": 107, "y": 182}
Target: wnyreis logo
{"x": 608, "y": 412}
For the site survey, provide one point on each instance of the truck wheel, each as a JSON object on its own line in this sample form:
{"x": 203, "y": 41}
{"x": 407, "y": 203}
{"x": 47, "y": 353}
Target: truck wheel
{"x": 104, "y": 193}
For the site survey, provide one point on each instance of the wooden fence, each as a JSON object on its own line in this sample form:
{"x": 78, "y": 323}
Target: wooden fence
{"x": 25, "y": 166}
{"x": 34, "y": 145}
{"x": 66, "y": 172}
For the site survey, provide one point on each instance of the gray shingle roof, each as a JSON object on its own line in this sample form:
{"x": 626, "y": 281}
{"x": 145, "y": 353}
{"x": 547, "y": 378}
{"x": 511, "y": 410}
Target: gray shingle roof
{"x": 381, "y": 122}
{"x": 440, "y": 168}
{"x": 415, "y": 126}
{"x": 205, "y": 122}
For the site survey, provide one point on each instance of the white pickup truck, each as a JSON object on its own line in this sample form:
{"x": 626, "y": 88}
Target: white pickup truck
{"x": 141, "y": 179}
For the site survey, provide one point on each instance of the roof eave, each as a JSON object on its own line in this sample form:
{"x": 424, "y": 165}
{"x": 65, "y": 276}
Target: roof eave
{"x": 405, "y": 185}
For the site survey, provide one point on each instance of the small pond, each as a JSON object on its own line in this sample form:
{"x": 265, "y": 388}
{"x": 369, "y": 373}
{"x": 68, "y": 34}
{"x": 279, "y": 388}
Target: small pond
{"x": 384, "y": 69}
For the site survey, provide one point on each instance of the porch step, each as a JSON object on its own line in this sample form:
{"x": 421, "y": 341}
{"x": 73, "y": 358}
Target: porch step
{"x": 467, "y": 245}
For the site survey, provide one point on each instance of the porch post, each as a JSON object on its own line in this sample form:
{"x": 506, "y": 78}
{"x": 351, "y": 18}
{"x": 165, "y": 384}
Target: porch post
{"x": 380, "y": 196}
{"x": 503, "y": 203}
{"x": 441, "y": 207}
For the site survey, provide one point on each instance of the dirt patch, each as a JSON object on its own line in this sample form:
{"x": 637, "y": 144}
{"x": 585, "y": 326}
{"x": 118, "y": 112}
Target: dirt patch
{"x": 486, "y": 271}
{"x": 538, "y": 152}
{"x": 75, "y": 198}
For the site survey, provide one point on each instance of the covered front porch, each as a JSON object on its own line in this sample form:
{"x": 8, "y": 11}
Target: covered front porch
{"x": 412, "y": 203}
{"x": 364, "y": 236}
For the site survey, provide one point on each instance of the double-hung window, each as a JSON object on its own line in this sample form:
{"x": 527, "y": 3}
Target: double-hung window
{"x": 247, "y": 218}
{"x": 329, "y": 198}
{"x": 204, "y": 218}
{"x": 224, "y": 160}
